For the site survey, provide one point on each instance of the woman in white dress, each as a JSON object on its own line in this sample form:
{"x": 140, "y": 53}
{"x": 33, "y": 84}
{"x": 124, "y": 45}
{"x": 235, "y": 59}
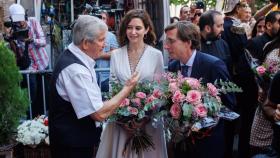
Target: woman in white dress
{"x": 136, "y": 37}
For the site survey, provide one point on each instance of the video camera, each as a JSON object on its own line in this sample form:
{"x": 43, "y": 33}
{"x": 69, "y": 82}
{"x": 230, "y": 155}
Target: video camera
{"x": 18, "y": 33}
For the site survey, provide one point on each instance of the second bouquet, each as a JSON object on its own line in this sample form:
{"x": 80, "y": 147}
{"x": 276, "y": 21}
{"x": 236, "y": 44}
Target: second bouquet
{"x": 143, "y": 105}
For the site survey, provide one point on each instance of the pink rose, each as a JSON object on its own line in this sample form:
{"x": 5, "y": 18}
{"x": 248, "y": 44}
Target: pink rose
{"x": 193, "y": 83}
{"x": 177, "y": 97}
{"x": 132, "y": 110}
{"x": 175, "y": 111}
{"x": 157, "y": 93}
{"x": 141, "y": 95}
{"x": 201, "y": 110}
{"x": 193, "y": 97}
{"x": 150, "y": 99}
{"x": 261, "y": 70}
{"x": 137, "y": 101}
{"x": 173, "y": 86}
{"x": 125, "y": 102}
{"x": 212, "y": 89}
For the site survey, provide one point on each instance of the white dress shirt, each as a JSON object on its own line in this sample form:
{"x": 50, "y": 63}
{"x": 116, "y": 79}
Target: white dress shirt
{"x": 190, "y": 63}
{"x": 78, "y": 84}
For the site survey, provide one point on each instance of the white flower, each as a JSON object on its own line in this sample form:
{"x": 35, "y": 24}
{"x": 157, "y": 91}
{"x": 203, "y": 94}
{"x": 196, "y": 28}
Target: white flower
{"x": 32, "y": 132}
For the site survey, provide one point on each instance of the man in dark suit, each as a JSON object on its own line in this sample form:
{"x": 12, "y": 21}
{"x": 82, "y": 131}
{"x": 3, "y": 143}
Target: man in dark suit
{"x": 182, "y": 43}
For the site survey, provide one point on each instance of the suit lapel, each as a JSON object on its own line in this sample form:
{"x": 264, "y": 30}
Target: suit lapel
{"x": 195, "y": 67}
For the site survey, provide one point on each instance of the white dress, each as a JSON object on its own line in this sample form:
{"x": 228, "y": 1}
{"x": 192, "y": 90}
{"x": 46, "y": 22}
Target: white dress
{"x": 113, "y": 137}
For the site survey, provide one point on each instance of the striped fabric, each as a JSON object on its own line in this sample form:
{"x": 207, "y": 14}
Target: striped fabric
{"x": 37, "y": 52}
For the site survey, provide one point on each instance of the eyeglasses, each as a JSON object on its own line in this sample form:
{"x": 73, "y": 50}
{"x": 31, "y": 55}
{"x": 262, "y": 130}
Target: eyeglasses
{"x": 169, "y": 41}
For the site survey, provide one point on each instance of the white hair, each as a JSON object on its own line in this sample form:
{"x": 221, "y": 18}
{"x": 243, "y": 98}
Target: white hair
{"x": 87, "y": 28}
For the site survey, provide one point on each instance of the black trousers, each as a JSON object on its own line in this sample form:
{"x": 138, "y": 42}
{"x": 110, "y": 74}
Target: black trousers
{"x": 73, "y": 152}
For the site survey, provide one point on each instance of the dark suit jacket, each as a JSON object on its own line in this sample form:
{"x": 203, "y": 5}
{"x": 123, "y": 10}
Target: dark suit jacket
{"x": 209, "y": 68}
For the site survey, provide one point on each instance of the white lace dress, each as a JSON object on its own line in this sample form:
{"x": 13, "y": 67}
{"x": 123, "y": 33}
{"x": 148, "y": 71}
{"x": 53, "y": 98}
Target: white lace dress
{"x": 113, "y": 137}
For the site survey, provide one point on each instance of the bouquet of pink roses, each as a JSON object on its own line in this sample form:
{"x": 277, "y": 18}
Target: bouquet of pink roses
{"x": 268, "y": 69}
{"x": 141, "y": 106}
{"x": 193, "y": 107}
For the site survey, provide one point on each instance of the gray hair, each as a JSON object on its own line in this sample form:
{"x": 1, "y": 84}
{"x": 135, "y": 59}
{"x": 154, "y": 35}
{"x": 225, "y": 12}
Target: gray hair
{"x": 87, "y": 28}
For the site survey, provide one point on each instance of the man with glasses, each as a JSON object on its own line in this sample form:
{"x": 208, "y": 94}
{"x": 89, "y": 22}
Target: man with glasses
{"x": 182, "y": 43}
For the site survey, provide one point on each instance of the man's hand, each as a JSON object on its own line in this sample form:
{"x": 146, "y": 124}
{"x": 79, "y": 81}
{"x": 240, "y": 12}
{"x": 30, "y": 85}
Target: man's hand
{"x": 28, "y": 40}
{"x": 133, "y": 80}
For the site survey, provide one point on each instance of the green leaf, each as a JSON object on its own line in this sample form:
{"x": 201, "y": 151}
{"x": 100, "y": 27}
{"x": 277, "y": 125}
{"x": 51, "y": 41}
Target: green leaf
{"x": 187, "y": 110}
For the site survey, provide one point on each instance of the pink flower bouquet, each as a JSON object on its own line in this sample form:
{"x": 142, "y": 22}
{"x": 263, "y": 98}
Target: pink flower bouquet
{"x": 140, "y": 107}
{"x": 265, "y": 72}
{"x": 193, "y": 107}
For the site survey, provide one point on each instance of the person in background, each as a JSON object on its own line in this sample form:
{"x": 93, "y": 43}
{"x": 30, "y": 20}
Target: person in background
{"x": 256, "y": 45}
{"x": 211, "y": 26}
{"x": 195, "y": 19}
{"x": 259, "y": 27}
{"x": 185, "y": 13}
{"x": 272, "y": 110}
{"x": 103, "y": 60}
{"x": 174, "y": 19}
{"x": 261, "y": 137}
{"x": 235, "y": 36}
{"x": 76, "y": 101}
{"x": 31, "y": 44}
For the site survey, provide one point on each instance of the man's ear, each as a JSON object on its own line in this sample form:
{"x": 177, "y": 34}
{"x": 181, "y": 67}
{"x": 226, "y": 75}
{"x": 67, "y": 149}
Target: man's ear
{"x": 268, "y": 25}
{"x": 207, "y": 28}
{"x": 85, "y": 44}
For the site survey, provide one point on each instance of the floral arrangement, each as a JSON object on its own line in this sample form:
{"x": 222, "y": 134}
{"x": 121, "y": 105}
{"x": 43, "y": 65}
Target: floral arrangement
{"x": 268, "y": 69}
{"x": 33, "y": 132}
{"x": 140, "y": 107}
{"x": 193, "y": 107}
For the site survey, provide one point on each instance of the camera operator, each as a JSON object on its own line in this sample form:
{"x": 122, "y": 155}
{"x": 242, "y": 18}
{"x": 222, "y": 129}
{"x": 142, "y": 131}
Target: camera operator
{"x": 27, "y": 40}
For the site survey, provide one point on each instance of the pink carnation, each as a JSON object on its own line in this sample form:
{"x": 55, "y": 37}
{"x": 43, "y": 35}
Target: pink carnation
{"x": 173, "y": 86}
{"x": 157, "y": 93}
{"x": 125, "y": 102}
{"x": 132, "y": 110}
{"x": 212, "y": 89}
{"x": 193, "y": 97}
{"x": 201, "y": 110}
{"x": 193, "y": 83}
{"x": 141, "y": 95}
{"x": 261, "y": 70}
{"x": 177, "y": 97}
{"x": 175, "y": 111}
{"x": 137, "y": 101}
{"x": 150, "y": 99}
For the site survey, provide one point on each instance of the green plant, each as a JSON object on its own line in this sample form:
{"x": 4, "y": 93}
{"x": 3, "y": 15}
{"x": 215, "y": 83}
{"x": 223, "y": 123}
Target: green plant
{"x": 13, "y": 99}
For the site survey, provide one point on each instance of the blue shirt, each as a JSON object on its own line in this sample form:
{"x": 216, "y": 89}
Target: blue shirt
{"x": 110, "y": 43}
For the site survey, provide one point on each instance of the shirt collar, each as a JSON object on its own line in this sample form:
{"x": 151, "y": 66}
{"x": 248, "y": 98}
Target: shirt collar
{"x": 88, "y": 61}
{"x": 191, "y": 60}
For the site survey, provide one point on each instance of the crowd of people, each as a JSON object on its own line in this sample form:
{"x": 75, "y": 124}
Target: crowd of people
{"x": 207, "y": 45}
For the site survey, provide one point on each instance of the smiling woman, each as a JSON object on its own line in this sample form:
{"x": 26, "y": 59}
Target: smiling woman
{"x": 136, "y": 36}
